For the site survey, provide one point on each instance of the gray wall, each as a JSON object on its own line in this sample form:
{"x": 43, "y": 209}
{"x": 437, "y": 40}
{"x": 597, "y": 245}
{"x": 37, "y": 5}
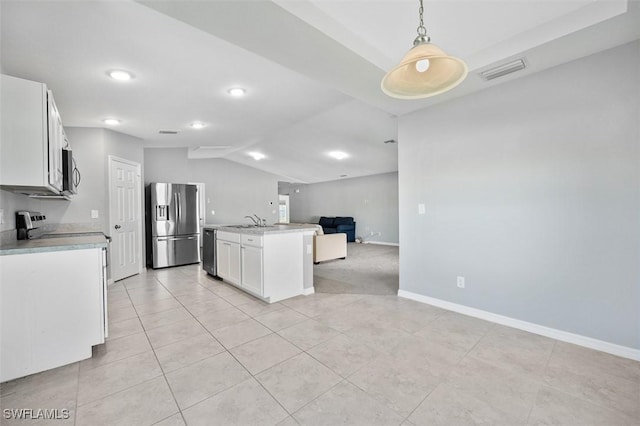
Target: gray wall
{"x": 91, "y": 148}
{"x": 232, "y": 190}
{"x": 371, "y": 200}
{"x": 532, "y": 192}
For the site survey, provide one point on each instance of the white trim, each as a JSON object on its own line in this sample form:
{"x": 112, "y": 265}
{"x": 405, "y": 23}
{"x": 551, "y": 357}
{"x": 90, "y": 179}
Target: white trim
{"x": 308, "y": 291}
{"x": 382, "y": 243}
{"x": 564, "y": 336}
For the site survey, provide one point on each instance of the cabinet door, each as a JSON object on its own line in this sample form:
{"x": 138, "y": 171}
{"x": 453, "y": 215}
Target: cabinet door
{"x": 234, "y": 263}
{"x": 223, "y": 252}
{"x": 56, "y": 142}
{"x": 228, "y": 261}
{"x": 252, "y": 269}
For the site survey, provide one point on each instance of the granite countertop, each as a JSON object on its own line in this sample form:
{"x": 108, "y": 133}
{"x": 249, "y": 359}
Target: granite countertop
{"x": 66, "y": 242}
{"x": 264, "y": 230}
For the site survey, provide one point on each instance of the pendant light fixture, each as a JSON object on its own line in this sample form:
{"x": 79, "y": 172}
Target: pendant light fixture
{"x": 424, "y": 71}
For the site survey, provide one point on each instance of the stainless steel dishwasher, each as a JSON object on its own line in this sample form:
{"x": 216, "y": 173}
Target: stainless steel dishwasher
{"x": 209, "y": 258}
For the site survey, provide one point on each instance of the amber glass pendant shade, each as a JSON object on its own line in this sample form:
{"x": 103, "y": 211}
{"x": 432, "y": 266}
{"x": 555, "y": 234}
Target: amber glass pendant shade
{"x": 423, "y": 72}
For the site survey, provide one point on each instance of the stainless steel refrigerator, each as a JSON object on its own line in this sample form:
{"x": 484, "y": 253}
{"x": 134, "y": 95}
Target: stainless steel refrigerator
{"x": 172, "y": 224}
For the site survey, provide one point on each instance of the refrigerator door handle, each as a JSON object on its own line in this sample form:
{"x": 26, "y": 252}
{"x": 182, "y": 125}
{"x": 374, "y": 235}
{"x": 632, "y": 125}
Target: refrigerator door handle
{"x": 176, "y": 238}
{"x": 177, "y": 206}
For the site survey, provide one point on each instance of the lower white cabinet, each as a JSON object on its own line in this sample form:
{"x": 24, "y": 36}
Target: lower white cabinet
{"x": 269, "y": 266}
{"x": 251, "y": 261}
{"x": 52, "y": 309}
{"x": 228, "y": 254}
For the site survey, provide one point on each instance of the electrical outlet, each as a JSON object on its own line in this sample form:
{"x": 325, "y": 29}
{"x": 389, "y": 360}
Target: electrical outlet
{"x": 460, "y": 282}
{"x": 421, "y": 208}
{"x": 94, "y": 214}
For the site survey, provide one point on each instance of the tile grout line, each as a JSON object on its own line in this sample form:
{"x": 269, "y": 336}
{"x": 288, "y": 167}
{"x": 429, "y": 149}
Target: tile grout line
{"x": 160, "y": 365}
{"x": 75, "y": 413}
{"x": 227, "y": 350}
{"x": 546, "y": 366}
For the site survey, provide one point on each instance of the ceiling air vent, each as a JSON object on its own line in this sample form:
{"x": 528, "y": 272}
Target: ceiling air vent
{"x": 168, "y": 132}
{"x": 508, "y": 68}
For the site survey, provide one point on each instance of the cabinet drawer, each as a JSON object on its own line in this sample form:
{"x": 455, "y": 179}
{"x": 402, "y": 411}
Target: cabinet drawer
{"x": 228, "y": 236}
{"x": 252, "y": 240}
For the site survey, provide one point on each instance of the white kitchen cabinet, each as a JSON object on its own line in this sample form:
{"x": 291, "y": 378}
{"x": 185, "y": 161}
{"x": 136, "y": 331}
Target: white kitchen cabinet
{"x": 31, "y": 138}
{"x": 57, "y": 141}
{"x": 52, "y": 309}
{"x": 228, "y": 253}
{"x": 251, "y": 261}
{"x": 271, "y": 264}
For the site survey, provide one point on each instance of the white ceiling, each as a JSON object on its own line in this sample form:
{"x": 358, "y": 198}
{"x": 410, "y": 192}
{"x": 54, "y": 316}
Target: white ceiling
{"x": 312, "y": 68}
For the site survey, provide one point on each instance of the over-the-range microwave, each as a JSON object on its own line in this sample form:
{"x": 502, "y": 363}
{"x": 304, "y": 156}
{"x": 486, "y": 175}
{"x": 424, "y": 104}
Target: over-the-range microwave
{"x": 70, "y": 174}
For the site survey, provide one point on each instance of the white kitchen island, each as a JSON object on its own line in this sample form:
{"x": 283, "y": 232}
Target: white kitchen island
{"x": 272, "y": 263}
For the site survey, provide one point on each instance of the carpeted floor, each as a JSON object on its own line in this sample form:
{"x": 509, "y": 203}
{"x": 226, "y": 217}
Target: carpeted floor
{"x": 368, "y": 269}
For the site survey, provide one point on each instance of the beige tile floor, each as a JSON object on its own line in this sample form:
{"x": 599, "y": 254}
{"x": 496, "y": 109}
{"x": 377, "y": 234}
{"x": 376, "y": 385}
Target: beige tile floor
{"x": 187, "y": 349}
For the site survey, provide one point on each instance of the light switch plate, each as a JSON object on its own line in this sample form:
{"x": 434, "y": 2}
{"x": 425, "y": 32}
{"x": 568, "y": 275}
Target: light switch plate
{"x": 421, "y": 208}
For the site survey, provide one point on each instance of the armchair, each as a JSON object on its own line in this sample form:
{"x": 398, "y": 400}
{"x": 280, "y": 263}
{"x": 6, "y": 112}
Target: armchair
{"x": 334, "y": 225}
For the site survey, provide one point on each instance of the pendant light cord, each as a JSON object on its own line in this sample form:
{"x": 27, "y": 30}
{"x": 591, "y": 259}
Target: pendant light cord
{"x": 422, "y": 31}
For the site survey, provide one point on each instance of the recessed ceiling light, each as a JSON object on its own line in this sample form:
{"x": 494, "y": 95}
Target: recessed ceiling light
{"x": 197, "y": 125}
{"x": 257, "y": 155}
{"x": 120, "y": 75}
{"x": 111, "y": 121}
{"x": 237, "y": 91}
{"x": 338, "y": 155}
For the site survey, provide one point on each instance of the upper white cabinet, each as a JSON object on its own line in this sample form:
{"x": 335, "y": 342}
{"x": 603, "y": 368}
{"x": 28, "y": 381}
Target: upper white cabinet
{"x": 31, "y": 138}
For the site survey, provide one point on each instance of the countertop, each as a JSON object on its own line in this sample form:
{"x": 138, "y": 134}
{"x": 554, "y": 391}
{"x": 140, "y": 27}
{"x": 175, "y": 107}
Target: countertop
{"x": 41, "y": 245}
{"x": 265, "y": 230}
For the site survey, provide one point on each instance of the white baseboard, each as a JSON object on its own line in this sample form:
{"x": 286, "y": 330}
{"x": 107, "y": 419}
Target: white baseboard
{"x": 382, "y": 243}
{"x": 564, "y": 336}
{"x": 308, "y": 291}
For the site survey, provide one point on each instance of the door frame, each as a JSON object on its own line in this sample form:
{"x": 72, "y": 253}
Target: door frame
{"x": 111, "y": 159}
{"x": 287, "y": 200}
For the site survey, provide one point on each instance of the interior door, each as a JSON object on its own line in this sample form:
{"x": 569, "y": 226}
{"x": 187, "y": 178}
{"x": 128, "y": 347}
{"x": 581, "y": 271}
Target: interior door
{"x": 125, "y": 218}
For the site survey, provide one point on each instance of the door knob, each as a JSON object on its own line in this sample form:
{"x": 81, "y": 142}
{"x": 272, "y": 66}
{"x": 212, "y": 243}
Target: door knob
{"x": 117, "y": 226}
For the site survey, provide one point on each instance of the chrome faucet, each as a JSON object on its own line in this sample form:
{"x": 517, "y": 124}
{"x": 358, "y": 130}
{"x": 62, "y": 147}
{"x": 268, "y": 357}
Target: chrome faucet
{"x": 261, "y": 222}
{"x": 254, "y": 221}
